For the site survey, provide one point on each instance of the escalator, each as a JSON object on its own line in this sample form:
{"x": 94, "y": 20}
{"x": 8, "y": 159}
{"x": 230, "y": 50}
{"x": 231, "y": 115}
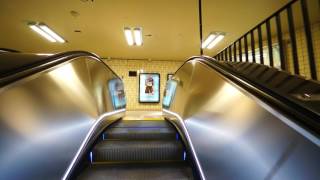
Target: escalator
{"x": 138, "y": 149}
{"x": 222, "y": 121}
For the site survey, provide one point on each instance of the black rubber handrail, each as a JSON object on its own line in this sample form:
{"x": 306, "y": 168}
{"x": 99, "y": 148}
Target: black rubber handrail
{"x": 40, "y": 63}
{"x": 303, "y": 116}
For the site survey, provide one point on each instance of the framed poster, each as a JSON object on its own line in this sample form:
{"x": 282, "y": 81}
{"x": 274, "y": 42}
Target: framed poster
{"x": 116, "y": 90}
{"x": 149, "y": 87}
{"x": 169, "y": 76}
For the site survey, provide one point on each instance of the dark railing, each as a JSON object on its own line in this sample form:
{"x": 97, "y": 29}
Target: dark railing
{"x": 286, "y": 23}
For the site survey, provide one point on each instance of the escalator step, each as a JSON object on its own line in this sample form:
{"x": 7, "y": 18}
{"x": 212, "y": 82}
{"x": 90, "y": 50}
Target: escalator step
{"x": 140, "y": 133}
{"x": 127, "y": 151}
{"x": 140, "y": 123}
{"x": 161, "y": 171}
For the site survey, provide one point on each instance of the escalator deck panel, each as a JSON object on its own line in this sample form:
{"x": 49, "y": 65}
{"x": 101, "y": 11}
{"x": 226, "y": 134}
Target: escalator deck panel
{"x": 165, "y": 171}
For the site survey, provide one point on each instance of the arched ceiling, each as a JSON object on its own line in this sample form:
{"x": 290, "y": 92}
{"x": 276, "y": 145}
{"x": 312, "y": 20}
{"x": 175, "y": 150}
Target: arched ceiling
{"x": 170, "y": 27}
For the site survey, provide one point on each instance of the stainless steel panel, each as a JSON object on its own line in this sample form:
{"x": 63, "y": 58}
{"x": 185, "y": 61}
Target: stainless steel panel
{"x": 237, "y": 136}
{"x": 44, "y": 118}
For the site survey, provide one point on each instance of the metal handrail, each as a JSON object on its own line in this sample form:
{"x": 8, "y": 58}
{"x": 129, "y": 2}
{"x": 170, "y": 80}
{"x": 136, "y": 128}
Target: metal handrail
{"x": 223, "y": 55}
{"x": 46, "y": 63}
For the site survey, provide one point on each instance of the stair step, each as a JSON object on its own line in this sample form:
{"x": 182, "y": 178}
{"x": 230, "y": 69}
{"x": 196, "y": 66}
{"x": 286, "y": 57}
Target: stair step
{"x": 155, "y": 150}
{"x": 140, "y": 133}
{"x": 162, "y": 171}
{"x": 142, "y": 123}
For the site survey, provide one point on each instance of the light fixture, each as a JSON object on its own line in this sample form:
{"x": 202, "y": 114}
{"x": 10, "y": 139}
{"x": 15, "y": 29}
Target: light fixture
{"x": 215, "y": 41}
{"x": 133, "y": 37}
{"x": 46, "y": 29}
{"x": 209, "y": 39}
{"x": 212, "y": 40}
{"x": 43, "y": 34}
{"x": 138, "y": 36}
{"x": 46, "y": 32}
{"x": 128, "y": 35}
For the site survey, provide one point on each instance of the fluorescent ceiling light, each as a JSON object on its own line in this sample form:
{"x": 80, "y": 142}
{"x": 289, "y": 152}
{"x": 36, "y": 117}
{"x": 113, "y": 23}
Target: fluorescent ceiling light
{"x": 46, "y": 32}
{"x": 138, "y": 36}
{"x": 209, "y": 39}
{"x": 46, "y": 29}
{"x": 215, "y": 41}
{"x": 128, "y": 35}
{"x": 41, "y": 32}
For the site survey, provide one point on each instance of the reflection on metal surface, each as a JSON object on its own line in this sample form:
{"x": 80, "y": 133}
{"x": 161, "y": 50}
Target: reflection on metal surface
{"x": 189, "y": 141}
{"x": 44, "y": 118}
{"x": 307, "y": 97}
{"x": 86, "y": 139}
{"x": 237, "y": 136}
{"x": 67, "y": 79}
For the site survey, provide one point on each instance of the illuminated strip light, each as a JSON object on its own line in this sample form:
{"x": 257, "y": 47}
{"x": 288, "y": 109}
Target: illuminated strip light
{"x": 189, "y": 141}
{"x": 215, "y": 41}
{"x": 86, "y": 139}
{"x": 46, "y": 32}
{"x": 209, "y": 39}
{"x": 137, "y": 32}
{"x": 46, "y": 29}
{"x": 42, "y": 33}
{"x": 91, "y": 157}
{"x": 128, "y": 35}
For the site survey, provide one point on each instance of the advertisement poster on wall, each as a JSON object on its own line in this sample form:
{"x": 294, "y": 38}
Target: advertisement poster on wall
{"x": 116, "y": 90}
{"x": 149, "y": 88}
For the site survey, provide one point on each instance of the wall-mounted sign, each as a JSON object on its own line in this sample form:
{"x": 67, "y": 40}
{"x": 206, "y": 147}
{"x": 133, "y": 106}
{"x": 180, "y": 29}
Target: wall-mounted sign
{"x": 149, "y": 88}
{"x": 116, "y": 90}
{"x": 169, "y": 93}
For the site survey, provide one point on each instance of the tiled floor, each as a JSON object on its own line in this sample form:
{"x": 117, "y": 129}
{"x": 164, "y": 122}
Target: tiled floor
{"x": 143, "y": 115}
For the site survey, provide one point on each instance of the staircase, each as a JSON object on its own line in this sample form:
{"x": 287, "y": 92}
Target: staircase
{"x": 139, "y": 149}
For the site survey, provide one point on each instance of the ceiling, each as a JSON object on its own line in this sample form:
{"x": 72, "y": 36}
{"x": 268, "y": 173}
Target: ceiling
{"x": 170, "y": 27}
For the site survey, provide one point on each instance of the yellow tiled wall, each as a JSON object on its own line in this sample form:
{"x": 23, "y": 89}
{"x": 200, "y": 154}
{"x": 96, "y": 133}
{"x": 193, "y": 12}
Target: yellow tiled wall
{"x": 303, "y": 51}
{"x": 122, "y": 68}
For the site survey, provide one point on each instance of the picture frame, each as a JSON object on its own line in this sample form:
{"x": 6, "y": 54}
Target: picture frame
{"x": 149, "y": 88}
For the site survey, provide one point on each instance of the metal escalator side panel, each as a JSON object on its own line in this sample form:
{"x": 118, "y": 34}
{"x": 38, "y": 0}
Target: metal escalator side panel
{"x": 237, "y": 136}
{"x": 45, "y": 117}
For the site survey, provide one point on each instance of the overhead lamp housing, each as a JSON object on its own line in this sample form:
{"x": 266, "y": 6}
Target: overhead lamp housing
{"x": 128, "y": 35}
{"x": 133, "y": 37}
{"x": 212, "y": 40}
{"x": 209, "y": 39}
{"x": 215, "y": 41}
{"x": 138, "y": 36}
{"x": 44, "y": 31}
